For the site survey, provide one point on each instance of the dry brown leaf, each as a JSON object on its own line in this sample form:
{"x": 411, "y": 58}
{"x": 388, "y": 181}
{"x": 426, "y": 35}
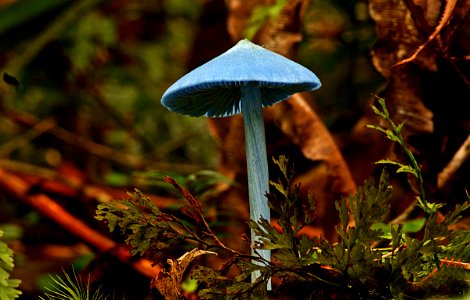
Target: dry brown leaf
{"x": 329, "y": 177}
{"x": 299, "y": 122}
{"x": 168, "y": 282}
{"x": 447, "y": 14}
{"x": 398, "y": 36}
{"x": 414, "y": 31}
{"x": 420, "y": 50}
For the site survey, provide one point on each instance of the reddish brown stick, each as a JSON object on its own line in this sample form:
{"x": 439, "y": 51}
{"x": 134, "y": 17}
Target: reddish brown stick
{"x": 18, "y": 188}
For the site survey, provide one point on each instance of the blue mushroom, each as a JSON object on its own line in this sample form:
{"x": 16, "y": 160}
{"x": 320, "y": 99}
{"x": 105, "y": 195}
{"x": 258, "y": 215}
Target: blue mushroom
{"x": 244, "y": 79}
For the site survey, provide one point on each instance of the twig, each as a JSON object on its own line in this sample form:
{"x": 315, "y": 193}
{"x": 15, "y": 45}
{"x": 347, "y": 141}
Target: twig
{"x": 196, "y": 214}
{"x": 455, "y": 163}
{"x": 24, "y": 138}
{"x": 17, "y": 166}
{"x": 447, "y": 262}
{"x": 102, "y": 151}
{"x": 18, "y": 188}
{"x": 28, "y": 120}
{"x": 401, "y": 218}
{"x": 53, "y": 182}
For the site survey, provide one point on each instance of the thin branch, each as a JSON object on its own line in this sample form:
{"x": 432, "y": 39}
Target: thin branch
{"x": 78, "y": 141}
{"x": 23, "y": 139}
{"x": 19, "y": 189}
{"x": 53, "y": 182}
{"x": 455, "y": 163}
{"x": 29, "y": 169}
{"x": 196, "y": 214}
{"x": 403, "y": 216}
{"x": 102, "y": 151}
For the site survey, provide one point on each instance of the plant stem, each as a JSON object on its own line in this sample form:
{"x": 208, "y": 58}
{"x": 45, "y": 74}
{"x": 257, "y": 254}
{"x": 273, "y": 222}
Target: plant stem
{"x": 256, "y": 159}
{"x": 414, "y": 164}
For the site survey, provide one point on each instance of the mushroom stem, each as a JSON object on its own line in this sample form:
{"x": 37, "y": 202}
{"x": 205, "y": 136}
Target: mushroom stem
{"x": 256, "y": 159}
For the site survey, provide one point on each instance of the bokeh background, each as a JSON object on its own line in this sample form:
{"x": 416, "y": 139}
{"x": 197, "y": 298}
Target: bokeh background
{"x": 81, "y": 120}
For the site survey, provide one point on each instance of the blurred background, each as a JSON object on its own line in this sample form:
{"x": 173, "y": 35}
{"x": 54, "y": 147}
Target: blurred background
{"x": 81, "y": 120}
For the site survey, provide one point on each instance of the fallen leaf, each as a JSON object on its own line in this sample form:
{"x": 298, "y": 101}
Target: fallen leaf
{"x": 168, "y": 282}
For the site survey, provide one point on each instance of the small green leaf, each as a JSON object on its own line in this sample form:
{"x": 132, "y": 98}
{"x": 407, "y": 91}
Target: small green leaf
{"x": 411, "y": 226}
{"x": 8, "y": 286}
{"x": 117, "y": 178}
{"x": 401, "y": 167}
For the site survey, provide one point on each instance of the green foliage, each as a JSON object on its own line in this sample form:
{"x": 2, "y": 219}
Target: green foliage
{"x": 93, "y": 32}
{"x": 403, "y": 265}
{"x": 394, "y": 134}
{"x": 148, "y": 230}
{"x": 71, "y": 287}
{"x": 261, "y": 14}
{"x": 8, "y": 286}
{"x": 372, "y": 259}
{"x": 112, "y": 60}
{"x": 219, "y": 285}
{"x": 294, "y": 214}
{"x": 368, "y": 206}
{"x": 154, "y": 233}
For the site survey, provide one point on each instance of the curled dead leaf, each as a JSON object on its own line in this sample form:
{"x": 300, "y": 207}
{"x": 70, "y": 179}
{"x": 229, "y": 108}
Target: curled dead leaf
{"x": 168, "y": 282}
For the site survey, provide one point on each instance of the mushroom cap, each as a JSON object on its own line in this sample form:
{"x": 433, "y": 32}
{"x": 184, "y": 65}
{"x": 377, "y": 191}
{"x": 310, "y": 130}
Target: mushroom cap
{"x": 214, "y": 88}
